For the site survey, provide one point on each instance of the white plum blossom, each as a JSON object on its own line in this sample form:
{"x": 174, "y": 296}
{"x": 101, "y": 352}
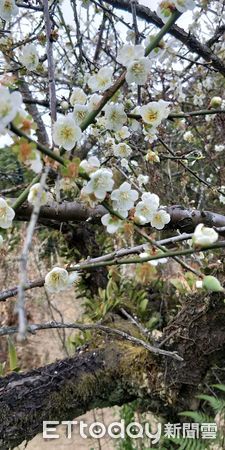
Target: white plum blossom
{"x": 112, "y": 223}
{"x": 7, "y": 214}
{"x": 165, "y": 9}
{"x": 130, "y": 36}
{"x": 153, "y": 262}
{"x": 93, "y": 101}
{"x": 150, "y": 135}
{"x": 90, "y": 165}
{"x": 34, "y": 193}
{"x": 142, "y": 179}
{"x": 154, "y": 112}
{"x": 146, "y": 208}
{"x": 101, "y": 80}
{"x": 124, "y": 163}
{"x": 135, "y": 124}
{"x": 128, "y": 53}
{"x": 78, "y": 96}
{"x": 123, "y": 198}
{"x": 8, "y": 9}
{"x": 80, "y": 113}
{"x": 58, "y": 280}
{"x": 188, "y": 137}
{"x": 10, "y": 104}
{"x": 199, "y": 284}
{"x": 219, "y": 148}
{"x": 35, "y": 163}
{"x": 152, "y": 157}
{"x": 122, "y": 150}
{"x": 204, "y": 236}
{"x": 184, "y": 5}
{"x": 160, "y": 219}
{"x": 29, "y": 57}
{"x": 138, "y": 70}
{"x": 100, "y": 183}
{"x": 115, "y": 116}
{"x": 123, "y": 133}
{"x": 66, "y": 133}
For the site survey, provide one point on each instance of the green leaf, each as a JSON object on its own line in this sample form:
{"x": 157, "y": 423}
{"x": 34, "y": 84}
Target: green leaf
{"x": 221, "y": 387}
{"x": 196, "y": 416}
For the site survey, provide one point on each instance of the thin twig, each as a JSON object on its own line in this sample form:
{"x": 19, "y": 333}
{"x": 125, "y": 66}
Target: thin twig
{"x": 20, "y": 304}
{"x": 32, "y": 328}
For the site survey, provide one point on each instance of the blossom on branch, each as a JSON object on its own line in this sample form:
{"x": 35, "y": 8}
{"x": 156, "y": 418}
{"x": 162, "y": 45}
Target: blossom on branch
{"x": 138, "y": 70}
{"x": 124, "y": 198}
{"x": 33, "y": 196}
{"x": 7, "y": 214}
{"x": 80, "y": 113}
{"x": 204, "y": 236}
{"x": 146, "y": 208}
{"x": 154, "y": 112}
{"x": 90, "y": 165}
{"x": 101, "y": 80}
{"x": 66, "y": 133}
{"x": 128, "y": 53}
{"x": 10, "y": 104}
{"x": 160, "y": 219}
{"x": 58, "y": 280}
{"x": 8, "y": 9}
{"x": 29, "y": 57}
{"x": 99, "y": 184}
{"x": 78, "y": 96}
{"x": 112, "y": 223}
{"x": 184, "y": 5}
{"x": 115, "y": 116}
{"x": 122, "y": 150}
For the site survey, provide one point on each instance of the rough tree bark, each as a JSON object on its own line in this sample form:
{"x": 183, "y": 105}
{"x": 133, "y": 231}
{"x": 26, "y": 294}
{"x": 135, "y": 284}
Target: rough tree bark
{"x": 182, "y": 219}
{"x": 113, "y": 372}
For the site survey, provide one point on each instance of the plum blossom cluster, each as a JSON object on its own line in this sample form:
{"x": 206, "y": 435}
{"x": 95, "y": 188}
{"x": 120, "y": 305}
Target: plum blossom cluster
{"x": 138, "y": 66}
{"x": 148, "y": 211}
{"x": 59, "y": 279}
{"x": 82, "y": 105}
{"x": 167, "y": 7}
{"x": 101, "y": 181}
{"x": 10, "y": 104}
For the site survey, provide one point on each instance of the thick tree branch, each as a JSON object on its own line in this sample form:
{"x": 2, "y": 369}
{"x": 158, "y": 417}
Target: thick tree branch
{"x": 182, "y": 219}
{"x": 100, "y": 374}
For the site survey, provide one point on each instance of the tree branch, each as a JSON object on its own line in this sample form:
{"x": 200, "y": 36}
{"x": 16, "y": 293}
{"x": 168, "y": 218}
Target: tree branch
{"x": 182, "y": 219}
{"x": 187, "y": 39}
{"x": 111, "y": 372}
